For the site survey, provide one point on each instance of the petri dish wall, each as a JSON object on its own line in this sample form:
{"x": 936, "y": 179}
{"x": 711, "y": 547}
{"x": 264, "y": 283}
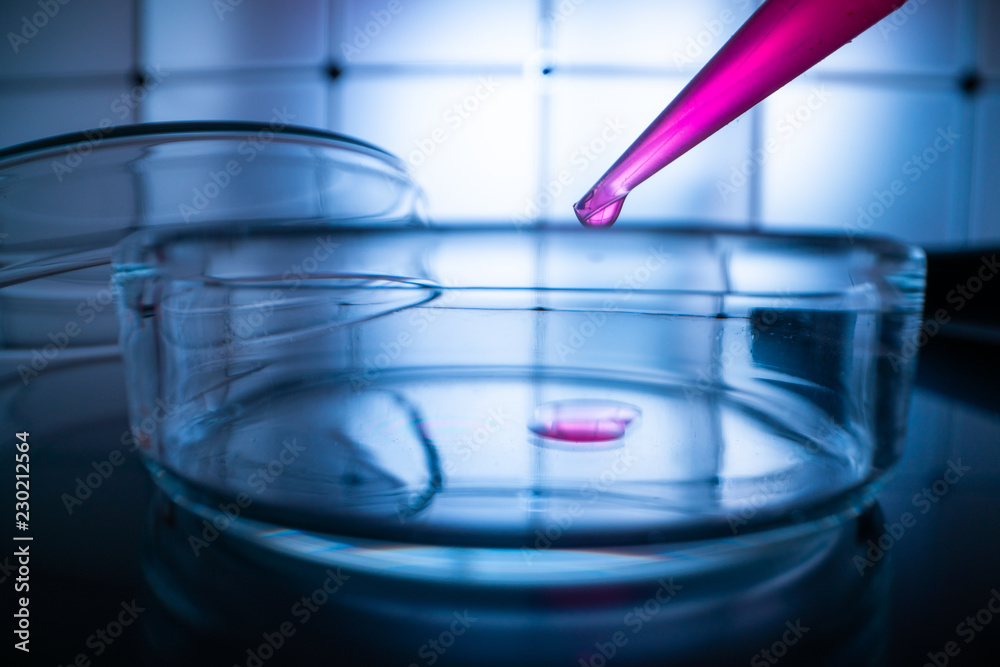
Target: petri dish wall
{"x": 536, "y": 396}
{"x": 66, "y": 201}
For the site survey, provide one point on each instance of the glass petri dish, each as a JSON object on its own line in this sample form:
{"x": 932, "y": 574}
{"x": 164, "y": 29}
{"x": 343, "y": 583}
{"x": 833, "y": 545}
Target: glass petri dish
{"x": 66, "y": 200}
{"x": 573, "y": 397}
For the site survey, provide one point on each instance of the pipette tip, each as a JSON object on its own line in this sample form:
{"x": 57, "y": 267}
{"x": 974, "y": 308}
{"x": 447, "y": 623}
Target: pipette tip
{"x": 603, "y": 216}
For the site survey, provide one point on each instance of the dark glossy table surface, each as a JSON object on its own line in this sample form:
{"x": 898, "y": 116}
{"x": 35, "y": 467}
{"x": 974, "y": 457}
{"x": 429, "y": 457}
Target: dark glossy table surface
{"x": 120, "y": 553}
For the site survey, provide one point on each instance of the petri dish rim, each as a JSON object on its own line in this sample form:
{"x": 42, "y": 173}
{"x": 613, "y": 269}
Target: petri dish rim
{"x": 175, "y": 131}
{"x": 128, "y": 253}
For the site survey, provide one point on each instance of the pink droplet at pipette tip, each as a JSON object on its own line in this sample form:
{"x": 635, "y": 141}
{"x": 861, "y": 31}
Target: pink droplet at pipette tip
{"x": 604, "y": 216}
{"x": 782, "y": 39}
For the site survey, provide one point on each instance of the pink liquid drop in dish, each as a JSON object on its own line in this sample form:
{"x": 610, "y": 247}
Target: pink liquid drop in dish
{"x": 584, "y": 421}
{"x": 780, "y": 41}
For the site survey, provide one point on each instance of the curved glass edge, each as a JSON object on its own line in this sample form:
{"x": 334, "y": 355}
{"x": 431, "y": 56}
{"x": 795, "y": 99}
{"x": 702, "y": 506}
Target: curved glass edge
{"x": 681, "y": 554}
{"x": 882, "y": 246}
{"x": 899, "y": 266}
{"x": 177, "y": 128}
{"x": 153, "y": 134}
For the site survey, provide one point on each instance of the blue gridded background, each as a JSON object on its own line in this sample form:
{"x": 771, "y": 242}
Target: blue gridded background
{"x": 612, "y": 66}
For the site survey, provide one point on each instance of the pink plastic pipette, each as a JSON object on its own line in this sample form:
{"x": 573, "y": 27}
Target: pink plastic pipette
{"x": 780, "y": 41}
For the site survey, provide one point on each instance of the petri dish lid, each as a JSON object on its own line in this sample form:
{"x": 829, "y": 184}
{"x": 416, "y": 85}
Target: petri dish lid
{"x": 65, "y": 201}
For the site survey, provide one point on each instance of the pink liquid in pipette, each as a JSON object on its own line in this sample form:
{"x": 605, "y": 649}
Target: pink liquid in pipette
{"x": 780, "y": 41}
